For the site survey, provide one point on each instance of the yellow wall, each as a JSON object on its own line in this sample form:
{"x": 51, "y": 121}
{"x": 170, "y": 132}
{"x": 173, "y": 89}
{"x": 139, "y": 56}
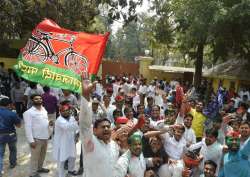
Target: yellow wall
{"x": 8, "y": 62}
{"x": 144, "y": 63}
{"x": 226, "y": 83}
{"x": 165, "y": 75}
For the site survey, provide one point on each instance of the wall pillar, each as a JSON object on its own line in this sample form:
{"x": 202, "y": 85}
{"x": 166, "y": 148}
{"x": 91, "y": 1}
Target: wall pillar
{"x": 144, "y": 63}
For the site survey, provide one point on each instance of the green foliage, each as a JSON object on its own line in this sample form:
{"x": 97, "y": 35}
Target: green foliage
{"x": 127, "y": 43}
{"x": 10, "y": 18}
{"x": 204, "y": 31}
{"x": 19, "y": 17}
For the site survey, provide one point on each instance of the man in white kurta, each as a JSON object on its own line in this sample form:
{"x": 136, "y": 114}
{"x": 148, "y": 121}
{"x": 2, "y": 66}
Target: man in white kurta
{"x": 132, "y": 162}
{"x": 189, "y": 134}
{"x": 100, "y": 153}
{"x": 64, "y": 147}
{"x": 211, "y": 149}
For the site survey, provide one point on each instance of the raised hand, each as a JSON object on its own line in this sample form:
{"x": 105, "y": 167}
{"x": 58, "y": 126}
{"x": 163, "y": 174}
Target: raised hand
{"x": 87, "y": 87}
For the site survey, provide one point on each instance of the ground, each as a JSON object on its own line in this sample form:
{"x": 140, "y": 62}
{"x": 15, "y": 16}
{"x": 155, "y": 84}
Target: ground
{"x": 23, "y": 159}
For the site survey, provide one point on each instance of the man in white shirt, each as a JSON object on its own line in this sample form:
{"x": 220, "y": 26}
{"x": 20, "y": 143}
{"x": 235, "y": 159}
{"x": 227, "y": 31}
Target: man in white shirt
{"x": 64, "y": 147}
{"x": 211, "y": 149}
{"x": 175, "y": 145}
{"x": 100, "y": 153}
{"x": 189, "y": 134}
{"x": 98, "y": 110}
{"x": 33, "y": 88}
{"x": 109, "y": 107}
{"x": 143, "y": 88}
{"x": 209, "y": 169}
{"x": 132, "y": 163}
{"x": 37, "y": 132}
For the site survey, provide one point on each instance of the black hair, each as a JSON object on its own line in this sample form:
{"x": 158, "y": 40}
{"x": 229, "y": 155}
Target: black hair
{"x": 133, "y": 89}
{"x": 32, "y": 85}
{"x": 212, "y": 132}
{"x": 245, "y": 122}
{"x": 116, "y": 111}
{"x": 168, "y": 111}
{"x": 5, "y": 102}
{"x": 99, "y": 121}
{"x": 210, "y": 162}
{"x": 34, "y": 95}
{"x": 65, "y": 102}
{"x": 150, "y": 98}
{"x": 188, "y": 115}
{"x": 46, "y": 89}
{"x": 106, "y": 96}
{"x": 244, "y": 105}
{"x": 140, "y": 105}
{"x": 127, "y": 109}
{"x": 200, "y": 101}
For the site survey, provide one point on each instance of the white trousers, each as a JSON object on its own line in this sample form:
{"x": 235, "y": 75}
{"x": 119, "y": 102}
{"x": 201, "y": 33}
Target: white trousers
{"x": 71, "y": 166}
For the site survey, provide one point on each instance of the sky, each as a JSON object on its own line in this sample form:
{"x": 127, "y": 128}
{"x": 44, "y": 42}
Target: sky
{"x": 118, "y": 24}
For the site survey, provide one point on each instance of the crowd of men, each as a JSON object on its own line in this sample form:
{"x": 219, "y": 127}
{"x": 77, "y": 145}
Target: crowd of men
{"x": 130, "y": 127}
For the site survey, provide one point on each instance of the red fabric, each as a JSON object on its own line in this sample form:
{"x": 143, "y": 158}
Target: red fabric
{"x": 119, "y": 98}
{"x": 140, "y": 123}
{"x": 91, "y": 47}
{"x": 191, "y": 162}
{"x": 179, "y": 94}
{"x": 121, "y": 120}
{"x": 231, "y": 94}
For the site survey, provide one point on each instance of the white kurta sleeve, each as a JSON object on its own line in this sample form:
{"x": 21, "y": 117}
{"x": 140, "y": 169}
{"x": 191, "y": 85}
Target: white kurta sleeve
{"x": 195, "y": 146}
{"x": 121, "y": 167}
{"x": 85, "y": 117}
{"x": 28, "y": 126}
{"x": 71, "y": 125}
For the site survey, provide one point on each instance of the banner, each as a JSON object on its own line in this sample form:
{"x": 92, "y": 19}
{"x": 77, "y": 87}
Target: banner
{"x": 58, "y": 57}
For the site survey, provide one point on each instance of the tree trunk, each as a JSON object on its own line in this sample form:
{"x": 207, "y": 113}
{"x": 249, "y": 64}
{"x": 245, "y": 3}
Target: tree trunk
{"x": 198, "y": 65}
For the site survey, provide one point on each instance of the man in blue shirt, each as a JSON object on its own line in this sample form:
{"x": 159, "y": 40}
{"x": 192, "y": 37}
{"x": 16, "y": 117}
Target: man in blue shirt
{"x": 8, "y": 121}
{"x": 236, "y": 162}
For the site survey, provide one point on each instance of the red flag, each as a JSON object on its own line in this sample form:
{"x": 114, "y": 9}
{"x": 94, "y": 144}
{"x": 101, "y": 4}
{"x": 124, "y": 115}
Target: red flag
{"x": 57, "y": 57}
{"x": 64, "y": 48}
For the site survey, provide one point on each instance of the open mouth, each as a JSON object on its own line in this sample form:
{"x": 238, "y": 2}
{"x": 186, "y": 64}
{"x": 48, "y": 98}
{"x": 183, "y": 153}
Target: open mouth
{"x": 106, "y": 134}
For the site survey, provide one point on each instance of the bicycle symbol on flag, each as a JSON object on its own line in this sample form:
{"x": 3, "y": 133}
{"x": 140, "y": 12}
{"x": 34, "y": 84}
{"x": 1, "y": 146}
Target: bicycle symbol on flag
{"x": 40, "y": 49}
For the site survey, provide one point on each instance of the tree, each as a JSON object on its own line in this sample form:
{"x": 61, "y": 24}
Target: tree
{"x": 232, "y": 32}
{"x": 19, "y": 17}
{"x": 211, "y": 30}
{"x": 10, "y": 18}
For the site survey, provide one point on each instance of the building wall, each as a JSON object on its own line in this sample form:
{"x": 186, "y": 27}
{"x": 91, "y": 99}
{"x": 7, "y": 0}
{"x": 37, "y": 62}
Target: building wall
{"x": 226, "y": 83}
{"x": 8, "y": 62}
{"x": 144, "y": 63}
{"x": 119, "y": 67}
{"x": 165, "y": 75}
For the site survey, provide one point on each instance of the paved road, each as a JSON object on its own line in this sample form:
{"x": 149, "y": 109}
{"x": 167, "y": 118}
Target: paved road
{"x": 23, "y": 159}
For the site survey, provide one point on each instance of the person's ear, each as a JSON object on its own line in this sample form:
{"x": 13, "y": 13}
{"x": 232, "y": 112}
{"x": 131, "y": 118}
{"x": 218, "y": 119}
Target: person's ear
{"x": 95, "y": 131}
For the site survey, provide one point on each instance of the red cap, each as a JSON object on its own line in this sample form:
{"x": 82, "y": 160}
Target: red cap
{"x": 121, "y": 120}
{"x": 65, "y": 107}
{"x": 119, "y": 98}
